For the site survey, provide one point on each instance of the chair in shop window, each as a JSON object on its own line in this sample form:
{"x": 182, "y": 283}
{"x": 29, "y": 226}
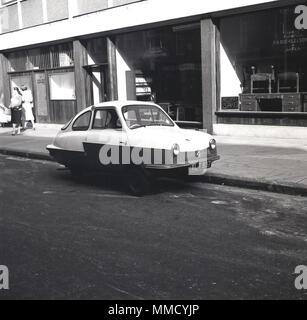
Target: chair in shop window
{"x": 264, "y": 79}
{"x": 288, "y": 82}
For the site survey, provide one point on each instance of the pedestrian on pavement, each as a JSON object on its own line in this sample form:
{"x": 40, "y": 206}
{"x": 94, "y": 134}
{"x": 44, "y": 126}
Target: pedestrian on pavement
{"x": 27, "y": 106}
{"x": 16, "y": 109}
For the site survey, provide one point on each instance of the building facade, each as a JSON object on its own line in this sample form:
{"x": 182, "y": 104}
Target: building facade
{"x": 208, "y": 64}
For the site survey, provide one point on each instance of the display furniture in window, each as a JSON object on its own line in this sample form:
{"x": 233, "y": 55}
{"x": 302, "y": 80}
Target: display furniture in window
{"x": 264, "y": 78}
{"x": 288, "y": 82}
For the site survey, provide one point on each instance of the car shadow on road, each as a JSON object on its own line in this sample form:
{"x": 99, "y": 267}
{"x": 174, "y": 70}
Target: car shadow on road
{"x": 119, "y": 184}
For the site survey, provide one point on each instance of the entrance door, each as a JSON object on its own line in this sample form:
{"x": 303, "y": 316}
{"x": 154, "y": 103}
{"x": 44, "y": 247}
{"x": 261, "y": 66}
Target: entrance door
{"x": 41, "y": 97}
{"x": 23, "y": 79}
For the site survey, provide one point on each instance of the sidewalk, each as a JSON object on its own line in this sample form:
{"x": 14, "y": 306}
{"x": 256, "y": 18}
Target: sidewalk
{"x": 31, "y": 144}
{"x": 278, "y": 165}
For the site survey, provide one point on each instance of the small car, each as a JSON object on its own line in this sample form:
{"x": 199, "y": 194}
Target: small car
{"x": 5, "y": 115}
{"x": 137, "y": 140}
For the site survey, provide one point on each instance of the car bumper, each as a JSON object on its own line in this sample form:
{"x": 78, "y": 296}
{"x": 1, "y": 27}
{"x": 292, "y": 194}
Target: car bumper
{"x": 197, "y": 165}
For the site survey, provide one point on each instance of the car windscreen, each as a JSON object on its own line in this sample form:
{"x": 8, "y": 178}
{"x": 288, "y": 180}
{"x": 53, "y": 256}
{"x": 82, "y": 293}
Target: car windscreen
{"x": 137, "y": 116}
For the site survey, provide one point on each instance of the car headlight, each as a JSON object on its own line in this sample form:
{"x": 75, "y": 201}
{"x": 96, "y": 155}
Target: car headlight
{"x": 176, "y": 149}
{"x": 212, "y": 144}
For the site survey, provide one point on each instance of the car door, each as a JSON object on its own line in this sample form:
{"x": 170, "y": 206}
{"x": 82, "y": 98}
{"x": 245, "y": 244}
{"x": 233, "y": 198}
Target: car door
{"x": 106, "y": 135}
{"x": 73, "y": 140}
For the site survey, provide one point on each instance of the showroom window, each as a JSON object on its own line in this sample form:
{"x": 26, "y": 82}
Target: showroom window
{"x": 62, "y": 86}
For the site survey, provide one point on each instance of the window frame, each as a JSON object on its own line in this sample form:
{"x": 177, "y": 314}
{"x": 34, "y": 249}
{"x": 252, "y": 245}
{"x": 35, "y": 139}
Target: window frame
{"x": 57, "y": 73}
{"x": 8, "y": 3}
{"x": 89, "y": 123}
{"x": 173, "y": 124}
{"x": 106, "y": 109}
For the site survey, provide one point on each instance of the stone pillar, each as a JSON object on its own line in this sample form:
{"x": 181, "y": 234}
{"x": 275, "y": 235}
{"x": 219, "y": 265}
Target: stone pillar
{"x": 4, "y": 80}
{"x": 111, "y": 77}
{"x": 82, "y": 78}
{"x": 210, "y": 53}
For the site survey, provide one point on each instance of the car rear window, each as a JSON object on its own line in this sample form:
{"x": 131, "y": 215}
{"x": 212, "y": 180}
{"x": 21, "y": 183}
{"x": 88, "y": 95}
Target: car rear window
{"x": 82, "y": 123}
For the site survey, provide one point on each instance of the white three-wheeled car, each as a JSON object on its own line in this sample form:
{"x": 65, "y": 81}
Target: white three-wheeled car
{"x": 135, "y": 139}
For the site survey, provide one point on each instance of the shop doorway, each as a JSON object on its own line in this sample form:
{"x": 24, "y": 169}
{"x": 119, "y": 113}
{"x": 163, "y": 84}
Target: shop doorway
{"x": 22, "y": 79}
{"x": 36, "y": 82}
{"x": 166, "y": 64}
{"x": 40, "y": 97}
{"x": 53, "y": 93}
{"x": 98, "y": 84}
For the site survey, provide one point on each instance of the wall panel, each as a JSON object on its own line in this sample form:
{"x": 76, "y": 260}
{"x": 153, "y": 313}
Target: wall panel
{"x": 32, "y": 13}
{"x": 57, "y": 10}
{"x": 86, "y": 6}
{"x": 62, "y": 111}
{"x": 9, "y": 18}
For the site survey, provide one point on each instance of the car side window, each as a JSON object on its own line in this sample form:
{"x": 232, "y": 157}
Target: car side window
{"x": 106, "y": 119}
{"x": 83, "y": 122}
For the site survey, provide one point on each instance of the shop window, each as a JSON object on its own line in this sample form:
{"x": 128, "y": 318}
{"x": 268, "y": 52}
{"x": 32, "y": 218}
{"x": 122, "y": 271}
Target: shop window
{"x": 263, "y": 59}
{"x": 42, "y": 58}
{"x": 82, "y": 123}
{"x": 62, "y": 86}
{"x": 62, "y": 56}
{"x": 165, "y": 66}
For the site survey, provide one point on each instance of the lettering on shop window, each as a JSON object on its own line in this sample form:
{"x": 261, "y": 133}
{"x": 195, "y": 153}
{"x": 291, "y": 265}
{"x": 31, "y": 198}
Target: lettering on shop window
{"x": 301, "y": 20}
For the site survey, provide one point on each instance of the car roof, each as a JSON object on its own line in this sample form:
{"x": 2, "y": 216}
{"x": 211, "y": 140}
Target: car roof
{"x": 121, "y": 103}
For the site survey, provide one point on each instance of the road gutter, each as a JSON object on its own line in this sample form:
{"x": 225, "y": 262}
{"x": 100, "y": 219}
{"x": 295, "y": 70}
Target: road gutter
{"x": 219, "y": 179}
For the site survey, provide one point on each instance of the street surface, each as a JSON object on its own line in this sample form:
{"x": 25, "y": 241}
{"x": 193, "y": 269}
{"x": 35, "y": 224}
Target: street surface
{"x": 85, "y": 238}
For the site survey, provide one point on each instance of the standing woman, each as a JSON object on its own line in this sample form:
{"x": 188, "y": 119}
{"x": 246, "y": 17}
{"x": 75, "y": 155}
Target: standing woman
{"x": 16, "y": 110}
{"x": 27, "y": 106}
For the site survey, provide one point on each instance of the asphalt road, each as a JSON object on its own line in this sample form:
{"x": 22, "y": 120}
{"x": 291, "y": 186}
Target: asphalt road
{"x": 68, "y": 238}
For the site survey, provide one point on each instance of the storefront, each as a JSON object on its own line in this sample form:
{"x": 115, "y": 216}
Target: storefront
{"x": 49, "y": 73}
{"x": 239, "y": 66}
{"x": 161, "y": 65}
{"x": 268, "y": 54}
